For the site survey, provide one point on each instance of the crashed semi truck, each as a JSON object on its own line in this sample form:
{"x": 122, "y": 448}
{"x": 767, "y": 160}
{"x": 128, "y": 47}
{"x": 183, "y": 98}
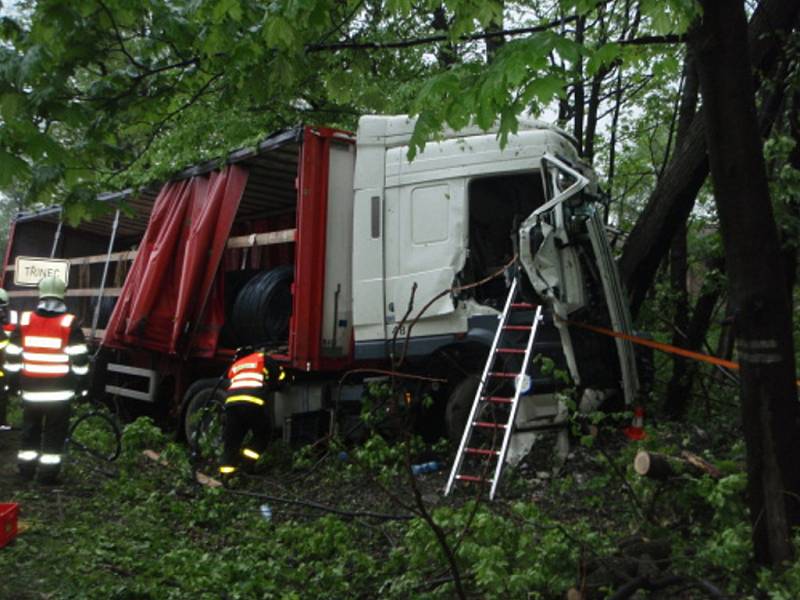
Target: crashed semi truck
{"x": 324, "y": 247}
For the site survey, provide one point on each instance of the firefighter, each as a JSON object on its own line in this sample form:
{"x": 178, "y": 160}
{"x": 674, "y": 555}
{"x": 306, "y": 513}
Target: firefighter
{"x": 250, "y": 381}
{"x": 49, "y": 353}
{"x": 8, "y": 318}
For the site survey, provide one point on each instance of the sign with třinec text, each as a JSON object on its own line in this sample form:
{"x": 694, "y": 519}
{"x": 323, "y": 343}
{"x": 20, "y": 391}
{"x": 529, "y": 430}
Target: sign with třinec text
{"x": 29, "y": 270}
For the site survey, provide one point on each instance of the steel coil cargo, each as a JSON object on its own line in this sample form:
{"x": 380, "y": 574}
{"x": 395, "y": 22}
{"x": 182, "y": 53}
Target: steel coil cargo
{"x": 263, "y": 307}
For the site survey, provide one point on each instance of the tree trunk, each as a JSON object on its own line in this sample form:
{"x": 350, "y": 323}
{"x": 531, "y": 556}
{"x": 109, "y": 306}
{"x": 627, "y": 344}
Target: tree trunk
{"x": 676, "y": 394}
{"x": 671, "y": 202}
{"x": 770, "y": 410}
{"x": 591, "y": 115}
{"x": 493, "y": 44}
{"x": 446, "y": 54}
{"x": 580, "y": 23}
{"x": 680, "y": 384}
{"x": 679, "y": 388}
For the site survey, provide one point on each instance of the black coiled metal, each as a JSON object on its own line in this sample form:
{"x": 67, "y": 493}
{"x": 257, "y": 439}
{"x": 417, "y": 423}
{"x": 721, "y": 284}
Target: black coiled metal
{"x": 263, "y": 307}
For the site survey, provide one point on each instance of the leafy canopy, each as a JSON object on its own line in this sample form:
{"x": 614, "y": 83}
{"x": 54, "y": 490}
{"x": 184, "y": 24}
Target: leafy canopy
{"x": 104, "y": 94}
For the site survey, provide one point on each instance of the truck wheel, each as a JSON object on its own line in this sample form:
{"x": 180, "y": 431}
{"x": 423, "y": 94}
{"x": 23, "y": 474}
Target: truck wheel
{"x": 196, "y": 398}
{"x": 458, "y": 406}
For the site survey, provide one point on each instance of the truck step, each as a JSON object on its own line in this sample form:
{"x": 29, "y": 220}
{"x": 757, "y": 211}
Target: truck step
{"x": 523, "y": 305}
{"x": 517, "y": 327}
{"x": 511, "y": 351}
{"x": 502, "y": 374}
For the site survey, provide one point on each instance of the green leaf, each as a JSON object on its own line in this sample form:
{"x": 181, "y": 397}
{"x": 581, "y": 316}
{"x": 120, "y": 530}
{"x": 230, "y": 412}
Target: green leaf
{"x": 602, "y": 57}
{"x": 227, "y": 8}
{"x": 568, "y": 49}
{"x": 11, "y": 167}
{"x": 545, "y": 88}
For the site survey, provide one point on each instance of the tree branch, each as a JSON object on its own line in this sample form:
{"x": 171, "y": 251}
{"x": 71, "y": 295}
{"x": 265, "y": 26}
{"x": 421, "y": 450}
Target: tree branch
{"x": 438, "y": 38}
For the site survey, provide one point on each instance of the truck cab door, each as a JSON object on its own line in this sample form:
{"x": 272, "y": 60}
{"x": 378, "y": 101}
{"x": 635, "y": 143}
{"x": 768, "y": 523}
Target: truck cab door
{"x": 551, "y": 242}
{"x": 368, "y": 265}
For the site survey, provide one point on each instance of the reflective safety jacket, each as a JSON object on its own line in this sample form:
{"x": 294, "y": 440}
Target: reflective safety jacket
{"x": 250, "y": 377}
{"x": 8, "y": 329}
{"x": 49, "y": 352}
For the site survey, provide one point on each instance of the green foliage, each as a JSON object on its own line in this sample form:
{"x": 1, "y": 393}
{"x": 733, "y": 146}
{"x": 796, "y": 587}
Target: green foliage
{"x": 522, "y": 554}
{"x": 97, "y": 97}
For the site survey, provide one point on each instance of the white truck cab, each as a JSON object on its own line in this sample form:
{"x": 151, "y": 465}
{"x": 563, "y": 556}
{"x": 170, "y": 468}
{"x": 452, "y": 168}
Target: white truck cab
{"x": 461, "y": 210}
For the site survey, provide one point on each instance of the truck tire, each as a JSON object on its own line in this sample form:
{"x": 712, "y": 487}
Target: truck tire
{"x": 458, "y": 406}
{"x": 195, "y": 398}
{"x": 263, "y": 307}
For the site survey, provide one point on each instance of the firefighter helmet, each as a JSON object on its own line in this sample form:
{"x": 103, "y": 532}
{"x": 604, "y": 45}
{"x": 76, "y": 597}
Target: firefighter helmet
{"x": 3, "y": 298}
{"x": 52, "y": 287}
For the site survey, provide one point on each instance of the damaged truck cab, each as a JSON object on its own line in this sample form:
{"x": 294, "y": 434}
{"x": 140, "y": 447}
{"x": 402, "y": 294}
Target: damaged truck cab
{"x": 459, "y": 212}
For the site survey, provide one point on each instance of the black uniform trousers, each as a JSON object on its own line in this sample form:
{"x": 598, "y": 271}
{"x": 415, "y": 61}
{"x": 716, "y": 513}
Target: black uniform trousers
{"x": 45, "y": 426}
{"x": 4, "y": 394}
{"x": 242, "y": 417}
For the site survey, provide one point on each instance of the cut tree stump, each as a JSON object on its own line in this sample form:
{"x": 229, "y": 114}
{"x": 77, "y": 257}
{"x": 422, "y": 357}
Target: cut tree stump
{"x": 662, "y": 466}
{"x": 652, "y": 465}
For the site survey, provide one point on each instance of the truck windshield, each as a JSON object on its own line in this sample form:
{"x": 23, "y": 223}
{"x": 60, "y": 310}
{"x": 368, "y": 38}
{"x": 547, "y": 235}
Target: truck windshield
{"x": 497, "y": 205}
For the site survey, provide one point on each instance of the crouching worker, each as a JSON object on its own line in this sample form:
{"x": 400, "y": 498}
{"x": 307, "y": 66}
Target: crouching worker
{"x": 251, "y": 381}
{"x": 49, "y": 354}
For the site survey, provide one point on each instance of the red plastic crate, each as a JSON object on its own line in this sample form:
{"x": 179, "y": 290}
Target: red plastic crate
{"x": 8, "y": 522}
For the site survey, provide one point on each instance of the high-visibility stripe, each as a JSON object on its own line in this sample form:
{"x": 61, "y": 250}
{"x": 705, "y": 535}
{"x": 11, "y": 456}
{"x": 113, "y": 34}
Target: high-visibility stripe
{"x": 66, "y": 320}
{"x": 245, "y": 398}
{"x": 13, "y": 317}
{"x": 227, "y": 470}
{"x": 37, "y": 341}
{"x": 27, "y": 455}
{"x": 26, "y": 318}
{"x": 247, "y": 383}
{"x": 76, "y": 349}
{"x": 3, "y": 344}
{"x": 237, "y": 368}
{"x": 282, "y": 376}
{"x": 57, "y": 396}
{"x": 80, "y": 370}
{"x": 43, "y": 357}
{"x": 258, "y": 376}
{"x": 13, "y": 349}
{"x": 12, "y": 367}
{"x": 46, "y": 369}
{"x": 50, "y": 459}
{"x": 251, "y": 454}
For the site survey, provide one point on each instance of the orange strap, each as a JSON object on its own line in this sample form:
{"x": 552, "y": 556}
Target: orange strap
{"x": 668, "y": 348}
{"x": 707, "y": 358}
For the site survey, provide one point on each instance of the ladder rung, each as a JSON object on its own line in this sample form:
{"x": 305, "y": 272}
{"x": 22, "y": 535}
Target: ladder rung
{"x": 517, "y": 327}
{"x": 488, "y": 425}
{"x": 526, "y": 305}
{"x": 510, "y": 351}
{"x": 502, "y": 374}
{"x": 484, "y": 451}
{"x": 498, "y": 399}
{"x": 474, "y": 478}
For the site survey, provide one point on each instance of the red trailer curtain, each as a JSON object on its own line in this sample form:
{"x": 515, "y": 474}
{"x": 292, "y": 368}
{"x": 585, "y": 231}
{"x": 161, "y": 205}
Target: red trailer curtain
{"x": 169, "y": 301}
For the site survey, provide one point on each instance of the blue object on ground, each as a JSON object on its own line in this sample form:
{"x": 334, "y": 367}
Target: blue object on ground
{"x": 428, "y": 467}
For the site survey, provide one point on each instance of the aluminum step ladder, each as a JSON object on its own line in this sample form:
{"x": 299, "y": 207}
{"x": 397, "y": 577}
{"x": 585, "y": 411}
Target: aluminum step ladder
{"x": 493, "y": 413}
